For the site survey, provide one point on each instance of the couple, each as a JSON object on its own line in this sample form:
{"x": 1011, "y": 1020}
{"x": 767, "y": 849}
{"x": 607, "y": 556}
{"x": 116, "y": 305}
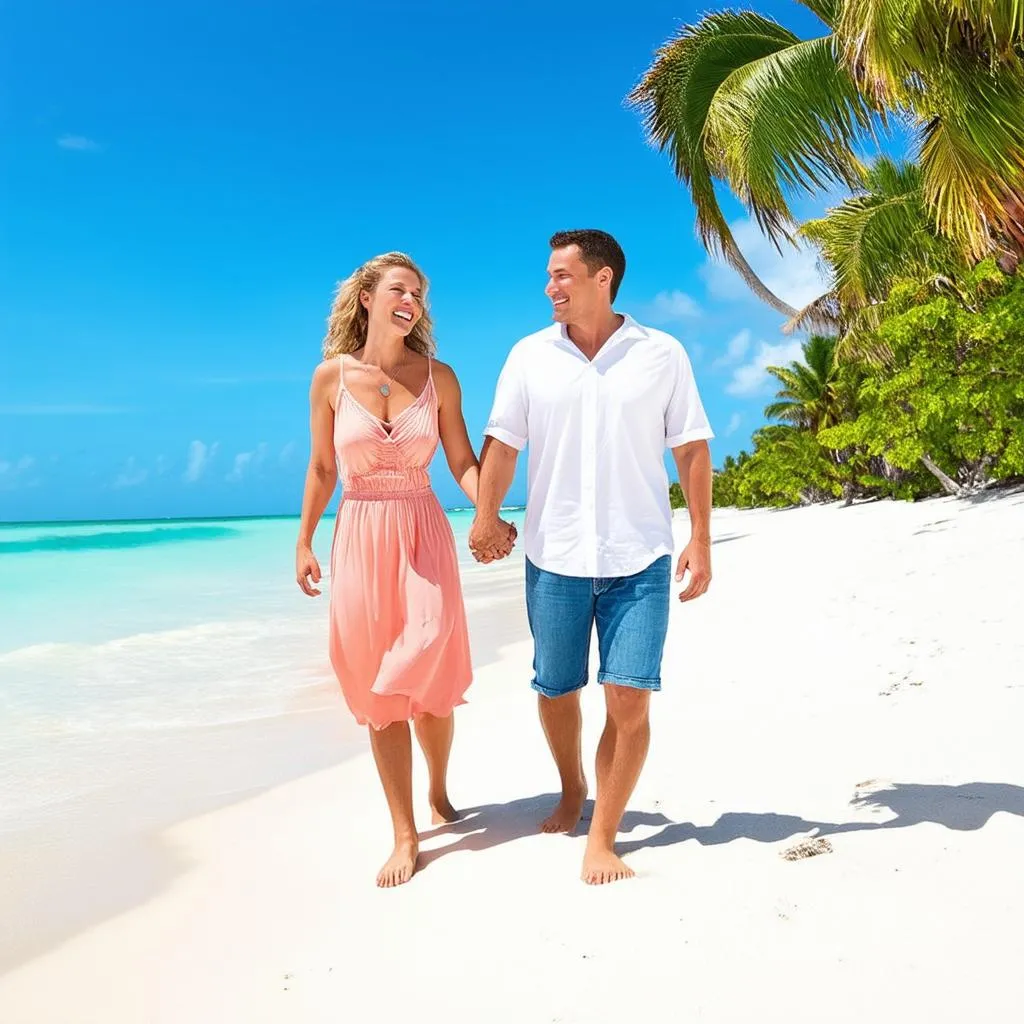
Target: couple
{"x": 597, "y": 398}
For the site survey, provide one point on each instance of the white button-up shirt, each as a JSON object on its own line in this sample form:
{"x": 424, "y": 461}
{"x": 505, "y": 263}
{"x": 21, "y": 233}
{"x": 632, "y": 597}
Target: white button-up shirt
{"x": 597, "y": 491}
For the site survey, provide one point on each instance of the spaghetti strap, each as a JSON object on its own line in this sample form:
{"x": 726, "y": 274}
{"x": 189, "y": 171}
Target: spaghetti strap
{"x": 341, "y": 381}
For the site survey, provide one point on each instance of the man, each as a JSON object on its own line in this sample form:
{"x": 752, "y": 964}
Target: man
{"x": 597, "y": 397}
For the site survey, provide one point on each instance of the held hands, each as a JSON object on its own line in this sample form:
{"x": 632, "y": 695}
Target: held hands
{"x": 307, "y": 568}
{"x": 491, "y": 541}
{"x": 696, "y": 557}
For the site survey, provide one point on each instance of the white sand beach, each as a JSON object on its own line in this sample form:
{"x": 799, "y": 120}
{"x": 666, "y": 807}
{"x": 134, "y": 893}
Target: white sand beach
{"x": 856, "y": 674}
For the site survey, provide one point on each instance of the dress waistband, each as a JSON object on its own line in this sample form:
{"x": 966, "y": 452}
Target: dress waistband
{"x": 384, "y": 495}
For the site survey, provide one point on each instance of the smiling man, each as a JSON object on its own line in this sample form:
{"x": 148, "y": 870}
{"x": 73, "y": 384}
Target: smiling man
{"x": 597, "y": 398}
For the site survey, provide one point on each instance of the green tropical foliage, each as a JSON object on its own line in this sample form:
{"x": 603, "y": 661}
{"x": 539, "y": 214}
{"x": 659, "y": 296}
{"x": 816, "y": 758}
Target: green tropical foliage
{"x": 881, "y": 233}
{"x": 943, "y": 413}
{"x": 952, "y": 396}
{"x": 738, "y": 99}
{"x": 812, "y": 393}
{"x": 913, "y": 383}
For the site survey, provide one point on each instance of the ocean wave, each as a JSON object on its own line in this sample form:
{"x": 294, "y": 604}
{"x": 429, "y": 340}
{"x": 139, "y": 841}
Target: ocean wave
{"x": 201, "y": 632}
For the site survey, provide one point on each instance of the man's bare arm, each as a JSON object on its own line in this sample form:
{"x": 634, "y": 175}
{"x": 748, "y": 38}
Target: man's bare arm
{"x": 693, "y": 464}
{"x": 497, "y": 470}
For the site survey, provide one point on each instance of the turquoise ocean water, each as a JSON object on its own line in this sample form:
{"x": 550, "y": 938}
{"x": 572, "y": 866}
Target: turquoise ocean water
{"x": 114, "y": 636}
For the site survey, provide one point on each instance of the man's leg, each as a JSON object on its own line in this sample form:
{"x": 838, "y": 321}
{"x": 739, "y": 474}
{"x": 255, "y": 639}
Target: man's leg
{"x": 563, "y": 727}
{"x": 620, "y": 759}
{"x": 561, "y": 615}
{"x": 632, "y": 620}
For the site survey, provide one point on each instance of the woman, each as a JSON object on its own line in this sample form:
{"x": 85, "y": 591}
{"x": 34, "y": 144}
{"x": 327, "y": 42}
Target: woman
{"x": 398, "y": 643}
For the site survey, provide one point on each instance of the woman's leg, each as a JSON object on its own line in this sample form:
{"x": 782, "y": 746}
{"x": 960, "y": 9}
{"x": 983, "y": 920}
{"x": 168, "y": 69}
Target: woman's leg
{"x": 392, "y": 751}
{"x": 435, "y": 736}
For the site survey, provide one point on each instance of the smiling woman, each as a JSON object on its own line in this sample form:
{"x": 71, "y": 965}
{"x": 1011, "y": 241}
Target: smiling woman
{"x": 399, "y": 645}
{"x": 348, "y": 323}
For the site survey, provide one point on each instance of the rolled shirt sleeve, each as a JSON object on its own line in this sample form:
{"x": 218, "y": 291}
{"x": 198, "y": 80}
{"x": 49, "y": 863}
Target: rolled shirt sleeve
{"x": 685, "y": 419}
{"x": 508, "y": 420}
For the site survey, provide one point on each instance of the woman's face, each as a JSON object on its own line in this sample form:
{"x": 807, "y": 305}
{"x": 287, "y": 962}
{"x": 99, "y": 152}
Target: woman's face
{"x": 396, "y": 304}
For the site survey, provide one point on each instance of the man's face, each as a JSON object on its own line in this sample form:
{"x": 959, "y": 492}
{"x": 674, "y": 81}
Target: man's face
{"x": 573, "y": 291}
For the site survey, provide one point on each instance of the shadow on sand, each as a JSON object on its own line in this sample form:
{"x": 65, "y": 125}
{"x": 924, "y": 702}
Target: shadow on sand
{"x": 965, "y": 808}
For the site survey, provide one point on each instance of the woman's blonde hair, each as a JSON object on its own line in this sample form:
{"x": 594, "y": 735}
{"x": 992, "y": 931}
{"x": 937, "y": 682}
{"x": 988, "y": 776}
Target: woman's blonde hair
{"x": 347, "y": 325}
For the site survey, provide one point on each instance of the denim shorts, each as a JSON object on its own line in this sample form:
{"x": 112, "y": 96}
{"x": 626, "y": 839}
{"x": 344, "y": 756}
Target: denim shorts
{"x": 631, "y": 614}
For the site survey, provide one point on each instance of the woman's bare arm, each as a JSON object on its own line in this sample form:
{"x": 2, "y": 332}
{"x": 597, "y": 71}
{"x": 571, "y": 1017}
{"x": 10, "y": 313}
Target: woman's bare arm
{"x": 322, "y": 474}
{"x": 458, "y": 450}
{"x": 462, "y": 460}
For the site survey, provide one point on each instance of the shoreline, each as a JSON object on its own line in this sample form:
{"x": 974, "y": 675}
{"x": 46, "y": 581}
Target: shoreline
{"x": 192, "y": 771}
{"x": 162, "y": 520}
{"x": 857, "y": 712}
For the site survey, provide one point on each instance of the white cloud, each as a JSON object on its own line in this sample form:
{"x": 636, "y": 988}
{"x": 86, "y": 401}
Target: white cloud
{"x": 735, "y": 350}
{"x": 14, "y": 475}
{"x": 246, "y": 462}
{"x": 734, "y": 424}
{"x": 242, "y": 460}
{"x": 752, "y": 377}
{"x": 793, "y": 276}
{"x": 131, "y": 475}
{"x": 670, "y": 307}
{"x": 161, "y": 465}
{"x": 199, "y": 458}
{"x": 287, "y": 453}
{"x": 79, "y": 143}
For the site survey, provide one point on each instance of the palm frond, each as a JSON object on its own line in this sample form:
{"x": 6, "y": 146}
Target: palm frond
{"x": 675, "y": 97}
{"x": 825, "y": 313}
{"x": 828, "y": 11}
{"x": 967, "y": 197}
{"x": 676, "y": 92}
{"x": 958, "y": 65}
{"x": 785, "y": 123}
{"x": 809, "y": 394}
{"x": 878, "y": 235}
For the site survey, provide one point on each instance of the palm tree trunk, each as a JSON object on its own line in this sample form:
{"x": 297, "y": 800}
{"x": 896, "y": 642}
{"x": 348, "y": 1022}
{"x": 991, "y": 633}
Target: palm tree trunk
{"x": 949, "y": 485}
{"x": 739, "y": 263}
{"x": 1013, "y": 229}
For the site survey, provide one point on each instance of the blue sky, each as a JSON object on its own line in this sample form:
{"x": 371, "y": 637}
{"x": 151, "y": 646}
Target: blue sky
{"x": 184, "y": 184}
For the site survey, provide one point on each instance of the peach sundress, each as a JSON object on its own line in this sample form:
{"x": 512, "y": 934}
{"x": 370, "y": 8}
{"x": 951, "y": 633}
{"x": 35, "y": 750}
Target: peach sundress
{"x": 398, "y": 638}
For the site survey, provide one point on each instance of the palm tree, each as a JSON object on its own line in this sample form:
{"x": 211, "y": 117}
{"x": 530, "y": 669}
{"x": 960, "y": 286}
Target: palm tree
{"x": 881, "y": 234}
{"x": 817, "y": 393}
{"x": 957, "y": 66}
{"x": 811, "y": 396}
{"x": 739, "y": 99}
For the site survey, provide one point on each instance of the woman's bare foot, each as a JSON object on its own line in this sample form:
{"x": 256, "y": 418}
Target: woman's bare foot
{"x": 441, "y": 811}
{"x": 566, "y": 815}
{"x": 400, "y": 866}
{"x": 603, "y": 865}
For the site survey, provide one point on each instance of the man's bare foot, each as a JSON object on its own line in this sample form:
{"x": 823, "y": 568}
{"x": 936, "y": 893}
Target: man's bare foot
{"x": 442, "y": 812}
{"x": 400, "y": 866}
{"x": 566, "y": 815}
{"x": 601, "y": 866}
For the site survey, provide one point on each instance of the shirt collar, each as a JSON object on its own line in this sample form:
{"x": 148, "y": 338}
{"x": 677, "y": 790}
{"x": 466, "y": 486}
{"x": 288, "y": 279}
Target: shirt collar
{"x": 630, "y": 329}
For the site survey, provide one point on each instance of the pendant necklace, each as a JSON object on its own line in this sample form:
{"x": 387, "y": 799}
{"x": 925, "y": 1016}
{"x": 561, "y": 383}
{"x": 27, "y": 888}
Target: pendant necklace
{"x": 385, "y": 389}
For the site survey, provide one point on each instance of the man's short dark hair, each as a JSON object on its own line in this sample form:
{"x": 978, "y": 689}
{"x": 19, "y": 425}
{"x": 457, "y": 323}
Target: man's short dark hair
{"x": 597, "y": 249}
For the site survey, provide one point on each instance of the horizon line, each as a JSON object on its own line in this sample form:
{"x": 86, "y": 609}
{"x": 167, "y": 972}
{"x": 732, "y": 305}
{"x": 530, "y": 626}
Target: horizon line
{"x": 200, "y": 519}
